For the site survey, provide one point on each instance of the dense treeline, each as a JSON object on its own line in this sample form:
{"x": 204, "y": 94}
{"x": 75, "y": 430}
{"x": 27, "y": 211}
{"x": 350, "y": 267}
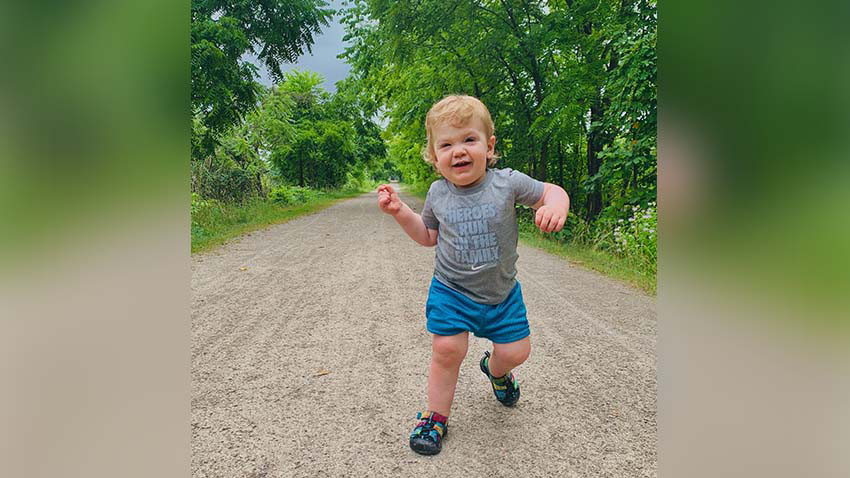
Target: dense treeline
{"x": 298, "y": 134}
{"x": 249, "y": 140}
{"x": 224, "y": 86}
{"x": 571, "y": 86}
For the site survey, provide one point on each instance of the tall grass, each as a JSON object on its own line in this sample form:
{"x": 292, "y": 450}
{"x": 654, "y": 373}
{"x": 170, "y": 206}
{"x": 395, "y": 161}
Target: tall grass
{"x": 621, "y": 248}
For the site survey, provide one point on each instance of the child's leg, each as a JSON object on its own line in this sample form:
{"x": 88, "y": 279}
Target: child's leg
{"x": 508, "y": 356}
{"x": 447, "y": 353}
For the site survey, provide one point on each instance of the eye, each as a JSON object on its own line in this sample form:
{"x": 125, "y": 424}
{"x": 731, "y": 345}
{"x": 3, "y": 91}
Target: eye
{"x": 470, "y": 139}
{"x": 443, "y": 145}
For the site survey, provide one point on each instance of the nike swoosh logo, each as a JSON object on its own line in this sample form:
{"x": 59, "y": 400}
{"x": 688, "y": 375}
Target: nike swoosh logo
{"x": 475, "y": 268}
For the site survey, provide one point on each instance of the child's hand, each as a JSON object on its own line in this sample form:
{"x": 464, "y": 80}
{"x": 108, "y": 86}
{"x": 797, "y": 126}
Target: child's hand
{"x": 550, "y": 219}
{"x": 388, "y": 200}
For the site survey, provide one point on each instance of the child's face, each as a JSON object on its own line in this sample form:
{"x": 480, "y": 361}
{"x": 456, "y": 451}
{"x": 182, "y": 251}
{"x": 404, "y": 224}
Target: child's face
{"x": 462, "y": 152}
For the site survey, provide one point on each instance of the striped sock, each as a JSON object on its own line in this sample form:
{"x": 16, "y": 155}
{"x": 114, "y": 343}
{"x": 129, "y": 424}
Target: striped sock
{"x": 434, "y": 416}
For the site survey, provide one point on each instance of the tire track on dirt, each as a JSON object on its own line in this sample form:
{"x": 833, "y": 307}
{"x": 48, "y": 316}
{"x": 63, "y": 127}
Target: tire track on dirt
{"x": 242, "y": 284}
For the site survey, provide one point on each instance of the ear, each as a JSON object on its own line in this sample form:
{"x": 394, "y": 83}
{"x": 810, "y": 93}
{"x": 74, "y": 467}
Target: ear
{"x": 491, "y": 147}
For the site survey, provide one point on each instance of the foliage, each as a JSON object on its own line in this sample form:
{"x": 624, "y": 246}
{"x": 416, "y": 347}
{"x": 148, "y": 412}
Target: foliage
{"x": 592, "y": 258}
{"x": 570, "y": 85}
{"x": 315, "y": 139}
{"x": 630, "y": 159}
{"x": 637, "y": 239}
{"x": 358, "y": 180}
{"x": 293, "y": 195}
{"x": 349, "y": 103}
{"x": 299, "y": 134}
{"x": 235, "y": 171}
{"x": 576, "y": 229}
{"x": 629, "y": 242}
{"x": 222, "y": 33}
{"x": 387, "y": 171}
{"x": 406, "y": 154}
{"x": 321, "y": 145}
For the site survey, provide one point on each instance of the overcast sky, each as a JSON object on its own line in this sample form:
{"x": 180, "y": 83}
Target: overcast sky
{"x": 323, "y": 61}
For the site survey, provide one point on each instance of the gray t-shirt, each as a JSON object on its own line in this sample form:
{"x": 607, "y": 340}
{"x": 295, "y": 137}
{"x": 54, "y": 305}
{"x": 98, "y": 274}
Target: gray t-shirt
{"x": 476, "y": 245}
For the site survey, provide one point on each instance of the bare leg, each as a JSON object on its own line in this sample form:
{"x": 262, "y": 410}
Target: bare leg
{"x": 508, "y": 356}
{"x": 447, "y": 353}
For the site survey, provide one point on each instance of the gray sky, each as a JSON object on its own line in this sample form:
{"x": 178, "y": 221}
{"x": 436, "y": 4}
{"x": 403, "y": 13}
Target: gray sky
{"x": 323, "y": 61}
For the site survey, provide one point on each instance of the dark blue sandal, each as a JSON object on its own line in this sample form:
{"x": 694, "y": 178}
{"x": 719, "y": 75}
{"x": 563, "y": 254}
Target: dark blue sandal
{"x": 506, "y": 392}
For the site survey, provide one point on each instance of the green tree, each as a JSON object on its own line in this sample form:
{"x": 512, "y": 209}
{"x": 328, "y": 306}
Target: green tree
{"x": 562, "y": 80}
{"x": 320, "y": 147}
{"x": 234, "y": 171}
{"x": 222, "y": 32}
{"x": 348, "y": 104}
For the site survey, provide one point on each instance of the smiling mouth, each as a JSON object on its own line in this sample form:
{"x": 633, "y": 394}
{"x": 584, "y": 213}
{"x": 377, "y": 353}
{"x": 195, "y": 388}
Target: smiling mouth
{"x": 461, "y": 164}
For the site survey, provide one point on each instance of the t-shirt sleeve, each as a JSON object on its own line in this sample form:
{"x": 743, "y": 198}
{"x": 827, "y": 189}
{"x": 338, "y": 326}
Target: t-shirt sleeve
{"x": 428, "y": 216}
{"x": 527, "y": 190}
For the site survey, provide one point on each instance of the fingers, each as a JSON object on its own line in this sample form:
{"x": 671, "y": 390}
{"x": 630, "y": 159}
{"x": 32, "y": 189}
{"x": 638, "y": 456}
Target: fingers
{"x": 560, "y": 224}
{"x": 546, "y": 222}
{"x": 542, "y": 219}
{"x": 386, "y": 187}
{"x": 549, "y": 221}
{"x": 386, "y": 195}
{"x": 388, "y": 199}
{"x": 384, "y": 190}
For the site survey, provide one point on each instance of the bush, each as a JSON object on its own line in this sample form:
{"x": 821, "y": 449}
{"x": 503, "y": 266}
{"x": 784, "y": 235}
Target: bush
{"x": 293, "y": 195}
{"x": 204, "y": 215}
{"x": 637, "y": 239}
{"x": 576, "y": 229}
{"x": 623, "y": 248}
{"x": 356, "y": 181}
{"x": 225, "y": 181}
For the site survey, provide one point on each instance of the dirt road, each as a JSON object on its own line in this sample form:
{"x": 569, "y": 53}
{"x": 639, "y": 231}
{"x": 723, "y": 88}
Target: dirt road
{"x": 310, "y": 358}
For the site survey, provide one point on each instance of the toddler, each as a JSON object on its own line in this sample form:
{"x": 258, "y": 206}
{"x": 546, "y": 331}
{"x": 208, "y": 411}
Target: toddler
{"x": 469, "y": 215}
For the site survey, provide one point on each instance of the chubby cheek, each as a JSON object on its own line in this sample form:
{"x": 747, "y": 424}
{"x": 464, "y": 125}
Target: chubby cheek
{"x": 444, "y": 165}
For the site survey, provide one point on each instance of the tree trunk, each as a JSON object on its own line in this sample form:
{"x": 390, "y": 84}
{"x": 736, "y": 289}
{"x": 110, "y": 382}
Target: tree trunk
{"x": 560, "y": 165}
{"x": 541, "y": 166}
{"x": 574, "y": 179}
{"x": 301, "y": 172}
{"x": 594, "y": 146}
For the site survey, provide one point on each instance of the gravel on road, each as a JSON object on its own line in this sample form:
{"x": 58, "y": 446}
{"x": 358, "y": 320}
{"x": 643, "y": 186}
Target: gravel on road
{"x": 310, "y": 358}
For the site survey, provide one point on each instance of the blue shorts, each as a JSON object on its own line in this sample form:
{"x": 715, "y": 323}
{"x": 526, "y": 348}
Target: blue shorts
{"x": 449, "y": 313}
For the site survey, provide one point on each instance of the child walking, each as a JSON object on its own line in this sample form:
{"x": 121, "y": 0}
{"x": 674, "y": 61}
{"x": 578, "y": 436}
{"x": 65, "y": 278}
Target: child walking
{"x": 469, "y": 215}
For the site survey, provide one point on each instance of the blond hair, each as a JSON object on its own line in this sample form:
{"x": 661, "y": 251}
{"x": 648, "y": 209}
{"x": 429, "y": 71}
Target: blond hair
{"x": 457, "y": 110}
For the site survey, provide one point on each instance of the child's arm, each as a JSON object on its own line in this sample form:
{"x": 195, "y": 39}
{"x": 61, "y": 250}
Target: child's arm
{"x": 411, "y": 222}
{"x": 552, "y": 208}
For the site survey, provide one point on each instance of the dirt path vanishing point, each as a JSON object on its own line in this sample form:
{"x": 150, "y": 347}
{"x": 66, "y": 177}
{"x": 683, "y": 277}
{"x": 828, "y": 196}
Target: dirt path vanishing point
{"x": 310, "y": 358}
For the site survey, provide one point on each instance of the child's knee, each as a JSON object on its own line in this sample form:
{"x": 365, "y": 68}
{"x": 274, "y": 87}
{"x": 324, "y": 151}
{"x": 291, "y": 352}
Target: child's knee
{"x": 449, "y": 350}
{"x": 515, "y": 353}
{"x": 520, "y": 355}
{"x": 523, "y": 354}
